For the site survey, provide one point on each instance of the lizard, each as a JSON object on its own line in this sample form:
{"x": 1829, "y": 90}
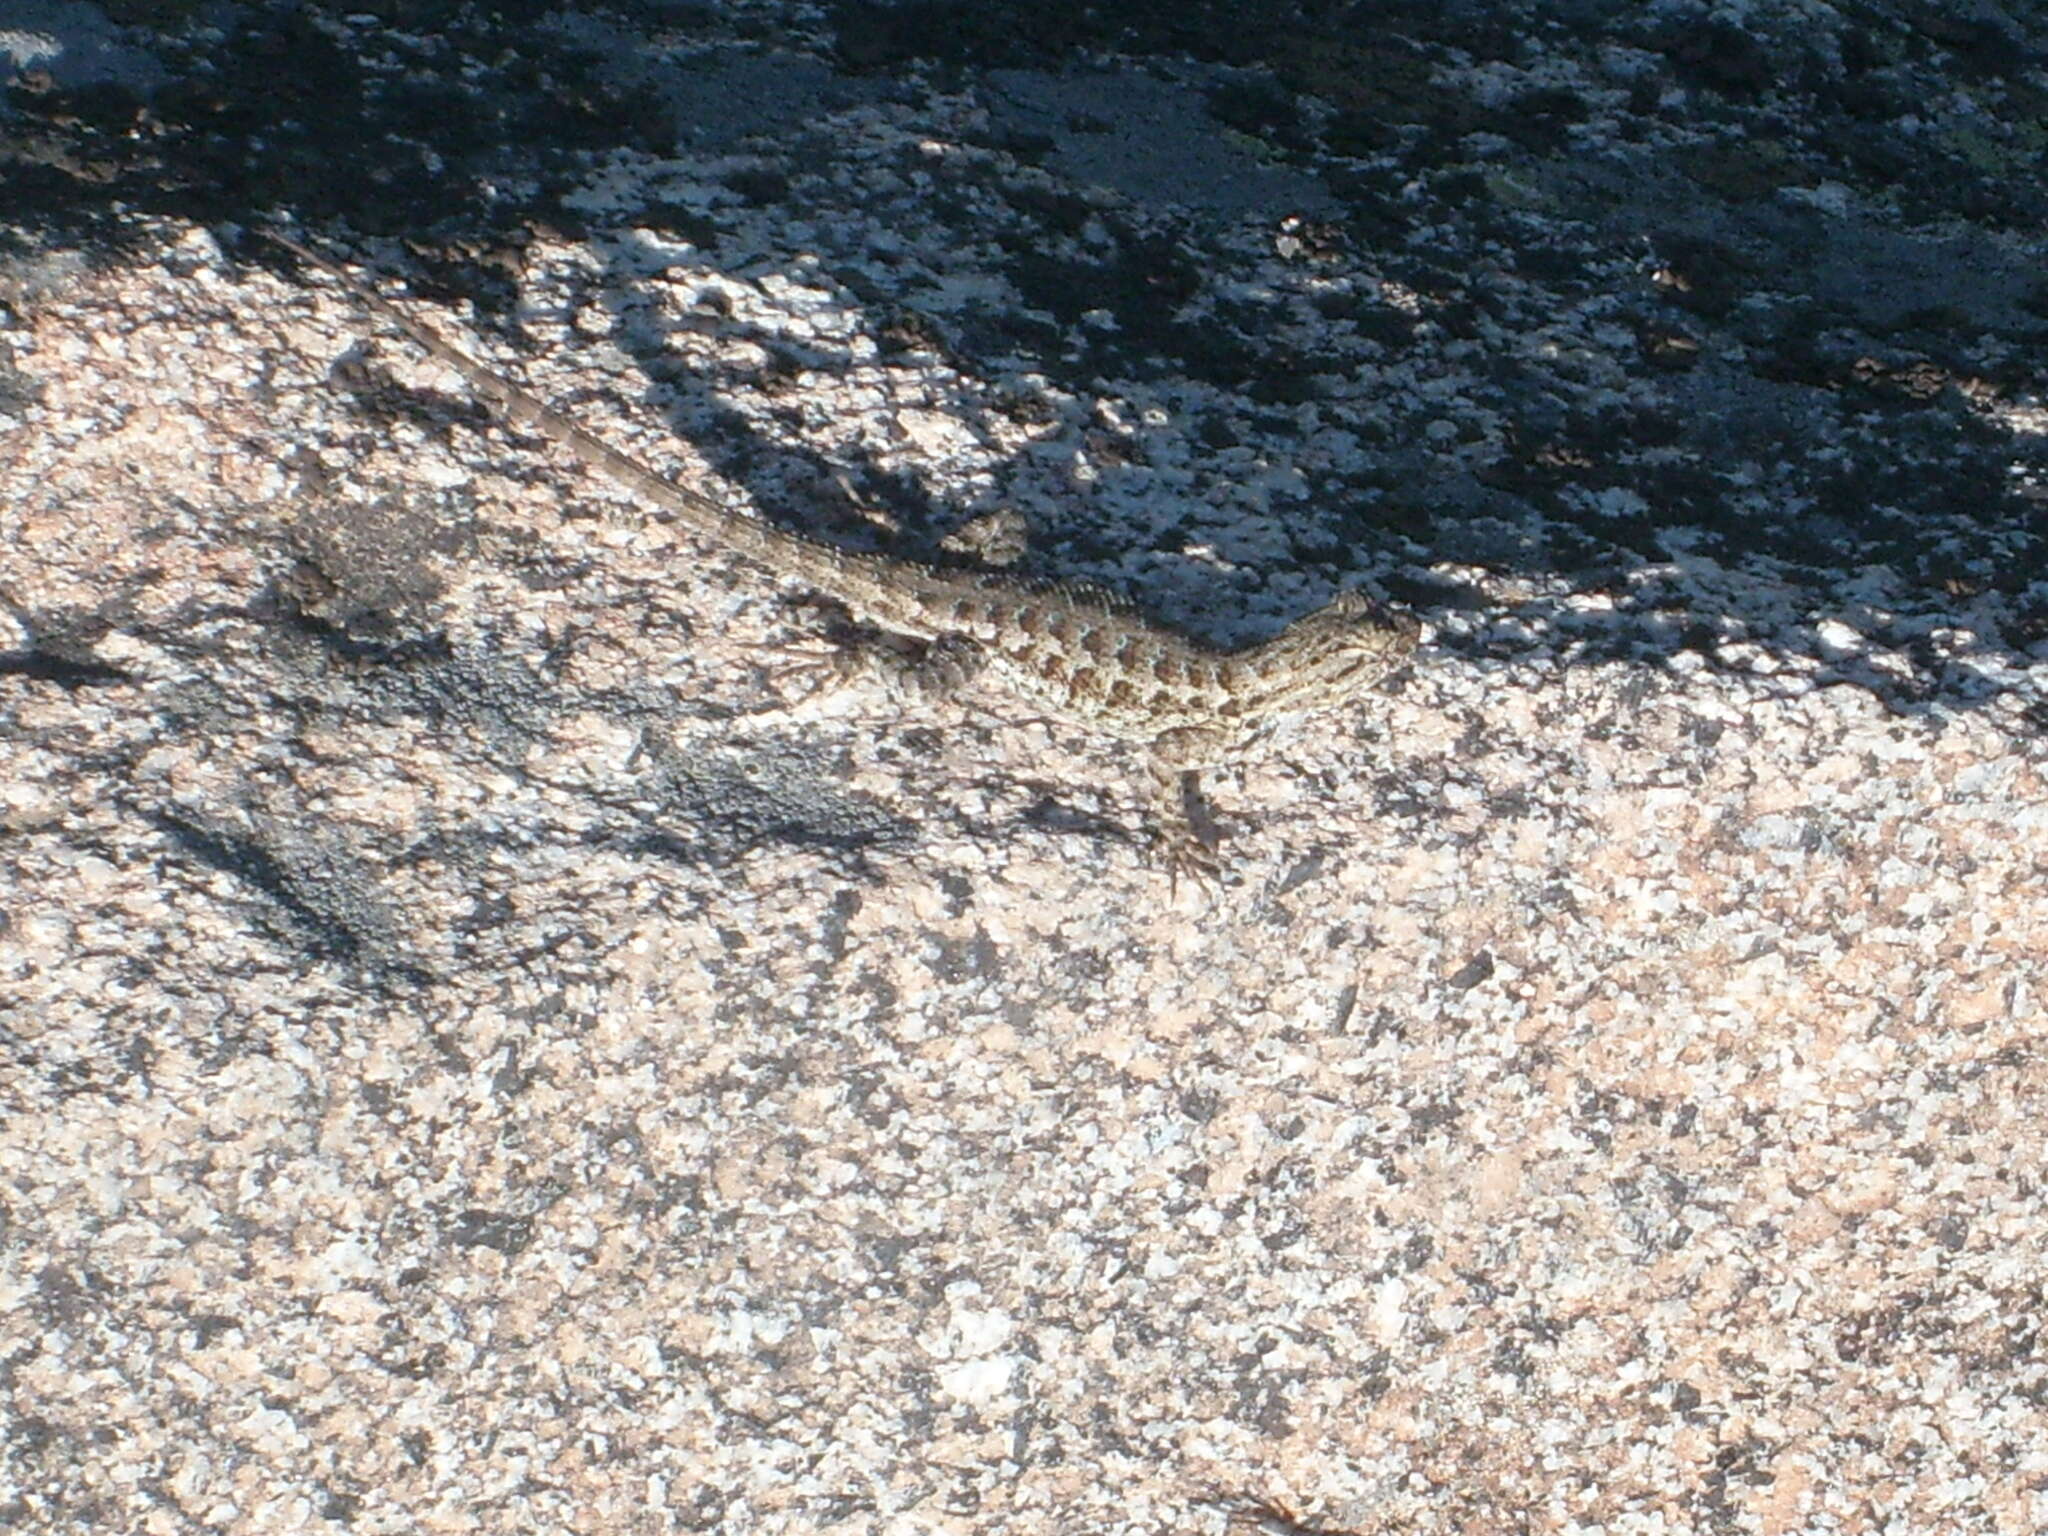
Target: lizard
{"x": 1077, "y": 653}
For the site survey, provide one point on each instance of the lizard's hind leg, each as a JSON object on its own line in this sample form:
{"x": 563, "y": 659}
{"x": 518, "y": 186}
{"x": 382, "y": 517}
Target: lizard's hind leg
{"x": 908, "y": 669}
{"x": 1178, "y": 808}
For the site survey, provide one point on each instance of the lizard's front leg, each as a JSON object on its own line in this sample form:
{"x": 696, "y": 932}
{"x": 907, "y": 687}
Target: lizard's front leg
{"x": 1176, "y": 758}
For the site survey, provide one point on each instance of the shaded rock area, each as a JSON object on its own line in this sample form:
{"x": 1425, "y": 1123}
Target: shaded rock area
{"x": 491, "y": 1044}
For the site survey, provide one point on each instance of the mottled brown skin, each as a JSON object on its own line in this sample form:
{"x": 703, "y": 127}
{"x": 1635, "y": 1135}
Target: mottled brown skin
{"x": 1075, "y": 653}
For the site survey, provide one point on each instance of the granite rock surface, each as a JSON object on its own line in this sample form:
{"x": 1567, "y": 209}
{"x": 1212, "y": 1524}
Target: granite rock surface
{"x": 489, "y": 1047}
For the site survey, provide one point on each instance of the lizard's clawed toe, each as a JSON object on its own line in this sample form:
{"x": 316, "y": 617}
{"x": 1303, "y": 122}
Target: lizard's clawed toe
{"x": 1187, "y": 857}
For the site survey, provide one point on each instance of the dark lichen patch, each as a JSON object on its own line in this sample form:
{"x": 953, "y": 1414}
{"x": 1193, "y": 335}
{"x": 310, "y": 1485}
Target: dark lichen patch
{"x": 721, "y": 806}
{"x": 18, "y": 390}
{"x": 326, "y": 896}
{"x": 374, "y": 569}
{"x": 39, "y": 665}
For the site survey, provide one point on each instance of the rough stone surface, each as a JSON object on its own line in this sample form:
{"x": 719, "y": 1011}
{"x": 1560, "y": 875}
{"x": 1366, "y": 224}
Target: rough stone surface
{"x": 486, "y": 1049}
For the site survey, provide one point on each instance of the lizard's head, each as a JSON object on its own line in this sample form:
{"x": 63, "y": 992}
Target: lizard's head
{"x": 1351, "y": 643}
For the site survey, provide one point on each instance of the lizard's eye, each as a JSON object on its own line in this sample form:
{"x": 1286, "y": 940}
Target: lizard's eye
{"x": 1350, "y": 603}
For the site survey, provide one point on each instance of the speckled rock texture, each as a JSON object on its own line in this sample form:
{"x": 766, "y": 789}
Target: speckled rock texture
{"x": 490, "y": 1045}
